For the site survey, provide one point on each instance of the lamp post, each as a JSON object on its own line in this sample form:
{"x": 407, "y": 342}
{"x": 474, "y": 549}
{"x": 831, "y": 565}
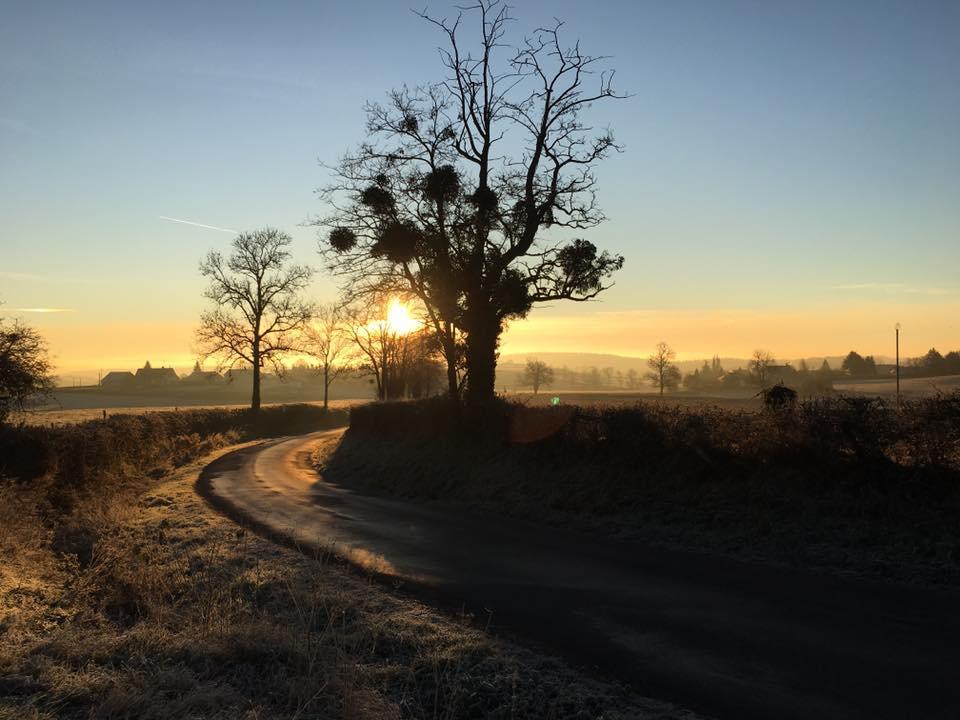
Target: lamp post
{"x": 897, "y": 326}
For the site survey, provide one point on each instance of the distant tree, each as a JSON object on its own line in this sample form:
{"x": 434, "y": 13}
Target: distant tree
{"x": 593, "y": 377}
{"x": 803, "y": 369}
{"x": 390, "y": 354}
{"x": 258, "y": 313}
{"x": 328, "y": 340}
{"x": 536, "y": 374}
{"x": 760, "y": 363}
{"x": 663, "y": 373}
{"x": 707, "y": 376}
{"x": 951, "y": 362}
{"x": 694, "y": 380}
{"x": 825, "y": 368}
{"x": 857, "y": 366}
{"x": 25, "y": 371}
{"x": 633, "y": 379}
{"x": 932, "y": 363}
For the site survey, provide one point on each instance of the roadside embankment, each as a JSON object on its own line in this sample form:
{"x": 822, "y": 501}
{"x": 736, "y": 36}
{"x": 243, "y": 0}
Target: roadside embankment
{"x": 847, "y": 484}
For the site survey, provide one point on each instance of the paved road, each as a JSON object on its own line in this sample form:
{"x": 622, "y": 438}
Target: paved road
{"x": 724, "y": 638}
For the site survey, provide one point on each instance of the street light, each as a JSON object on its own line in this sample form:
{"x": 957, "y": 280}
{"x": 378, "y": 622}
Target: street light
{"x": 897, "y": 326}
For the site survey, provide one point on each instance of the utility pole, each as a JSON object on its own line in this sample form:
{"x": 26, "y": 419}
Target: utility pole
{"x": 898, "y": 363}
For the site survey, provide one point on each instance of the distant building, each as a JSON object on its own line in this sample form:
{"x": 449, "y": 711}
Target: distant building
{"x": 238, "y": 375}
{"x": 202, "y": 377}
{"x": 148, "y": 376}
{"x": 118, "y": 380}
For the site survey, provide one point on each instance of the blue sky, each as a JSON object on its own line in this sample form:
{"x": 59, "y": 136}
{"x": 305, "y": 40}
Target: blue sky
{"x": 780, "y": 158}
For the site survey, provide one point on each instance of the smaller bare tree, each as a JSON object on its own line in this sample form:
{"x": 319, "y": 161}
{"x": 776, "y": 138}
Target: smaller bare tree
{"x": 25, "y": 371}
{"x": 537, "y": 374}
{"x": 327, "y": 338}
{"x": 380, "y": 347}
{"x": 663, "y": 373}
{"x": 760, "y": 364}
{"x": 258, "y": 313}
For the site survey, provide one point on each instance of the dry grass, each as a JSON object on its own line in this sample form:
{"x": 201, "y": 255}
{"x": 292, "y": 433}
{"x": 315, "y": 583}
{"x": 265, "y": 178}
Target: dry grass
{"x": 171, "y": 611}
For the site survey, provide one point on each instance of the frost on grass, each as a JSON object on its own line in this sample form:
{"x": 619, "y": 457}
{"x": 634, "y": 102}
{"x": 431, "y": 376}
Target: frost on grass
{"x": 157, "y": 607}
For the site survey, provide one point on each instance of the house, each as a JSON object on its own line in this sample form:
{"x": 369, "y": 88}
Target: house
{"x": 122, "y": 380}
{"x": 202, "y": 377}
{"x": 239, "y": 375}
{"x": 148, "y": 376}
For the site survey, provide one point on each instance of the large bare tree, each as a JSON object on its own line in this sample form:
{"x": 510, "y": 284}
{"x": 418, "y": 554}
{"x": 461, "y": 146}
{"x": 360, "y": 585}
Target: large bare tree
{"x": 258, "y": 311}
{"x": 464, "y": 189}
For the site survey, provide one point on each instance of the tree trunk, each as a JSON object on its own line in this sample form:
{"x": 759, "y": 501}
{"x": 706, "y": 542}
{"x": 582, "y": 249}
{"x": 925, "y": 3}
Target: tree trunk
{"x": 255, "y": 400}
{"x": 450, "y": 355}
{"x": 483, "y": 335}
{"x": 326, "y": 387}
{"x": 453, "y": 384}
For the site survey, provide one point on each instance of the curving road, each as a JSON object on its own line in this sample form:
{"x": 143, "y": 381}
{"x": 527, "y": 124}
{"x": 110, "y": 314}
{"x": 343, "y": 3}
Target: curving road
{"x": 724, "y": 638}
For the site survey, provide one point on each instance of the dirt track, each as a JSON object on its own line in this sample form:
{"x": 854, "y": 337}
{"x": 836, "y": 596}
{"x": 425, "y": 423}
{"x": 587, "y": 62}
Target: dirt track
{"x": 724, "y": 638}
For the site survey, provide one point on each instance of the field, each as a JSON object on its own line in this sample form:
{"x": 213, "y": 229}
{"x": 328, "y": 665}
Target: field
{"x": 909, "y": 387}
{"x": 54, "y": 415}
{"x": 741, "y": 401}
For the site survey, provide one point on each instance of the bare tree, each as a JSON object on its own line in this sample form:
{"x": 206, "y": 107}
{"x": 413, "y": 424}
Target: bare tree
{"x": 386, "y": 351}
{"x": 433, "y": 203}
{"x": 663, "y": 373}
{"x": 760, "y": 363}
{"x": 536, "y": 374}
{"x": 327, "y": 338}
{"x": 25, "y": 371}
{"x": 258, "y": 311}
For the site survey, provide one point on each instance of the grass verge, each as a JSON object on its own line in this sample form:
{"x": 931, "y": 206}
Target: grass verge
{"x": 179, "y": 613}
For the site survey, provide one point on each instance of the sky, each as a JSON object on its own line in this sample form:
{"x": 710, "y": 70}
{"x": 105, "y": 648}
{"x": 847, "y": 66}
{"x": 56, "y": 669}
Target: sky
{"x": 790, "y": 179}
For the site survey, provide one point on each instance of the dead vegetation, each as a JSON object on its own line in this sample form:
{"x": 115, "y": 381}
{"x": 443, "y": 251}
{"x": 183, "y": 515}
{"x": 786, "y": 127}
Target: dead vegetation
{"x": 133, "y": 599}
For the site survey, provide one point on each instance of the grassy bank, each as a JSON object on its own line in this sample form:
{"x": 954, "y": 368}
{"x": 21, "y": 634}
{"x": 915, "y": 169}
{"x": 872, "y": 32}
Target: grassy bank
{"x": 134, "y": 599}
{"x": 847, "y": 484}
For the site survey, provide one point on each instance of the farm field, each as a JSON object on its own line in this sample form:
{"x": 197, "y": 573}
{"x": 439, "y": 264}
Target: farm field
{"x": 599, "y": 397}
{"x": 909, "y": 387}
{"x": 65, "y": 416}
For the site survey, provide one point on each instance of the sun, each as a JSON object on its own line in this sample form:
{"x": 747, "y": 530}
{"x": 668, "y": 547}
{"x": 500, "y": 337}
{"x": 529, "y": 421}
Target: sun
{"x": 399, "y": 320}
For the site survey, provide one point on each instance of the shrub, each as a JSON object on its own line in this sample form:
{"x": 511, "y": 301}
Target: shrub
{"x": 75, "y": 455}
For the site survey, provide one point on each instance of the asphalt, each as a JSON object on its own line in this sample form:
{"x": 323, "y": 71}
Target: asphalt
{"x": 721, "y": 637}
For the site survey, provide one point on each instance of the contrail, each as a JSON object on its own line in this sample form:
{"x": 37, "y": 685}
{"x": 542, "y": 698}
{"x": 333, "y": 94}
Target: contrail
{"x": 44, "y": 310}
{"x": 201, "y": 225}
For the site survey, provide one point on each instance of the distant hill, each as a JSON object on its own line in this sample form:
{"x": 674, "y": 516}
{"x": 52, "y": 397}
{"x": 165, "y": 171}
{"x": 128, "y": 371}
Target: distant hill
{"x": 581, "y": 361}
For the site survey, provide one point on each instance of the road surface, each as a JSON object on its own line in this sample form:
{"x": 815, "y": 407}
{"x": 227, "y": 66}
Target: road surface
{"x": 723, "y": 638}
